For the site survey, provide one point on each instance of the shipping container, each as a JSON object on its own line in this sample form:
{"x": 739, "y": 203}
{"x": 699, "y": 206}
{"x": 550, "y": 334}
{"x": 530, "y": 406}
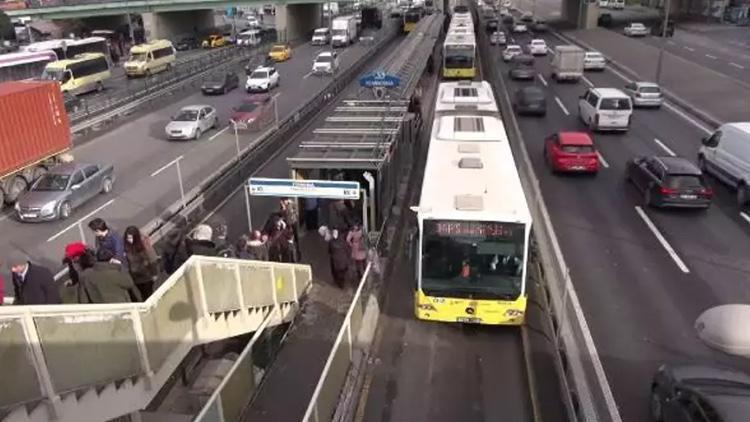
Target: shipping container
{"x": 34, "y": 131}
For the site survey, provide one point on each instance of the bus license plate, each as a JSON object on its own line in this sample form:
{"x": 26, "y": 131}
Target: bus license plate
{"x": 469, "y": 320}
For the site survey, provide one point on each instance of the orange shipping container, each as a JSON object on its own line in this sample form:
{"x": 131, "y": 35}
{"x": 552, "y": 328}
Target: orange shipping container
{"x": 34, "y": 125}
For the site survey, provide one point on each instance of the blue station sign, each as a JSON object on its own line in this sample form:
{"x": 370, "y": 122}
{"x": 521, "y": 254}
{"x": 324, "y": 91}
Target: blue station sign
{"x": 379, "y": 79}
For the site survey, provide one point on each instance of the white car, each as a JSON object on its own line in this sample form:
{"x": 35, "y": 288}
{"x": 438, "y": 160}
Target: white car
{"x": 253, "y": 22}
{"x": 603, "y": 4}
{"x": 644, "y": 94}
{"x": 636, "y": 30}
{"x": 191, "y": 122}
{"x": 511, "y": 51}
{"x": 326, "y": 62}
{"x": 262, "y": 79}
{"x": 605, "y": 109}
{"x": 520, "y": 28}
{"x": 593, "y": 60}
{"x": 538, "y": 47}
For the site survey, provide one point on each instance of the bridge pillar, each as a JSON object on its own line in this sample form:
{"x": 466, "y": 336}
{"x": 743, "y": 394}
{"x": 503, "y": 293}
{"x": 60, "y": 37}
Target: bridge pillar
{"x": 159, "y": 25}
{"x": 582, "y": 13}
{"x": 297, "y": 21}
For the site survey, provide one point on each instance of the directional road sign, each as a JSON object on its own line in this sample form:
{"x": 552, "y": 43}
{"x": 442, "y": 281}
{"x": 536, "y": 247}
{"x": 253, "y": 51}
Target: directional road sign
{"x": 329, "y": 189}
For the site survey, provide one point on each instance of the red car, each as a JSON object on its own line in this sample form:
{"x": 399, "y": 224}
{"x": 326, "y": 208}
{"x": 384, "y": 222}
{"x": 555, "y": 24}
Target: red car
{"x": 571, "y": 152}
{"x": 255, "y": 111}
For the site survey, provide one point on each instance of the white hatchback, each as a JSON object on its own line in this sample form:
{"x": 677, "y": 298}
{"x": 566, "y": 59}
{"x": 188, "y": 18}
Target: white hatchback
{"x": 605, "y": 109}
{"x": 511, "y": 51}
{"x": 262, "y": 79}
{"x": 520, "y": 28}
{"x": 594, "y": 60}
{"x": 538, "y": 47}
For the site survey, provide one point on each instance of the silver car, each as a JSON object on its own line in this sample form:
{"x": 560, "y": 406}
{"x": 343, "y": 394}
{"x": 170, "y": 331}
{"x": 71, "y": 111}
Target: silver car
{"x": 192, "y": 122}
{"x": 644, "y": 94}
{"x": 64, "y": 188}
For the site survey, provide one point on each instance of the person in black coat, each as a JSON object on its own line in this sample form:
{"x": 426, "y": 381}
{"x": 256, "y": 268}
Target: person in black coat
{"x": 33, "y": 284}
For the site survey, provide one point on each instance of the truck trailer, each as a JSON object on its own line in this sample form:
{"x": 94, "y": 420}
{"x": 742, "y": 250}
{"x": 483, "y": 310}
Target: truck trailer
{"x": 34, "y": 134}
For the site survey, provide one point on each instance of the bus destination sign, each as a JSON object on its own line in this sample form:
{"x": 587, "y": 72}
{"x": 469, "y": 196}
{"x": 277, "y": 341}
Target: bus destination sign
{"x": 486, "y": 229}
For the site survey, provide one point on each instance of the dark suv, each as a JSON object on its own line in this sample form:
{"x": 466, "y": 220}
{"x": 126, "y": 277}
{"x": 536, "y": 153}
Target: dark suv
{"x": 669, "y": 182}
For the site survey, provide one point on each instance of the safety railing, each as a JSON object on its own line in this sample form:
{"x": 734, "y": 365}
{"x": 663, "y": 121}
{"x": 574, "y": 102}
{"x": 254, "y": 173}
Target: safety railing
{"x": 586, "y": 392}
{"x": 57, "y": 349}
{"x": 352, "y": 342}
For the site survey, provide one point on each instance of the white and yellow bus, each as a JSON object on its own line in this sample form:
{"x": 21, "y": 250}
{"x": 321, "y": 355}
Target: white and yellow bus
{"x": 83, "y": 73}
{"x": 459, "y": 56}
{"x": 473, "y": 219}
{"x": 149, "y": 58}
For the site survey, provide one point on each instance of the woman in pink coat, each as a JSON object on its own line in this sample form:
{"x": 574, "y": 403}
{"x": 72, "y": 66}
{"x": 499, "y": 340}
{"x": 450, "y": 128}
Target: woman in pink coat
{"x": 356, "y": 242}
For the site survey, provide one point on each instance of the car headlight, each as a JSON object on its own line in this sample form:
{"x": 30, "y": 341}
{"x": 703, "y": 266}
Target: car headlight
{"x": 48, "y": 208}
{"x": 17, "y": 206}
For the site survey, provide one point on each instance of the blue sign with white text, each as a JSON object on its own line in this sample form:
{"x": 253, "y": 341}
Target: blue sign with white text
{"x": 379, "y": 79}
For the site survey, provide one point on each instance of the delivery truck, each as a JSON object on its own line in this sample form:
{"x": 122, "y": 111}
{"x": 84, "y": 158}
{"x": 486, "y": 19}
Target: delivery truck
{"x": 567, "y": 63}
{"x": 34, "y": 134}
{"x": 343, "y": 31}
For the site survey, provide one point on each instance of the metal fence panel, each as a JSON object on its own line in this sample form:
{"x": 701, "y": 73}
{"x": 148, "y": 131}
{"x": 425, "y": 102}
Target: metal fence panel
{"x": 18, "y": 365}
{"x": 239, "y": 387}
{"x": 85, "y": 349}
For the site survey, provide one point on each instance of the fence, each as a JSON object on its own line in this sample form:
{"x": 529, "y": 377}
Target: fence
{"x": 587, "y": 395}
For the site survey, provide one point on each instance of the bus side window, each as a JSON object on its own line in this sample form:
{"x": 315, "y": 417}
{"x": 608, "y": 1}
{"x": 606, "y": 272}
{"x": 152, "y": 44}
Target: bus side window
{"x": 68, "y": 75}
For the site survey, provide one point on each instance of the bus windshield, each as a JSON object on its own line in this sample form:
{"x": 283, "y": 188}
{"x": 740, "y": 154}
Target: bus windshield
{"x": 58, "y": 75}
{"x": 473, "y": 259}
{"x": 138, "y": 57}
{"x": 459, "y": 57}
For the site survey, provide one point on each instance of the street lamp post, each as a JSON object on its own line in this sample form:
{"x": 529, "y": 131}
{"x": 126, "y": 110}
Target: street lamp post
{"x": 663, "y": 40}
{"x": 176, "y": 163}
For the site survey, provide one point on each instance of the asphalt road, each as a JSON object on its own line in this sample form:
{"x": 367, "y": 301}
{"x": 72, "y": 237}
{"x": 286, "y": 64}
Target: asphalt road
{"x": 139, "y": 148}
{"x": 638, "y": 301}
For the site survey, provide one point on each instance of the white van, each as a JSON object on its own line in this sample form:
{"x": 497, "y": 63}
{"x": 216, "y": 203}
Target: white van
{"x": 149, "y": 58}
{"x": 617, "y": 4}
{"x": 726, "y": 155}
{"x": 251, "y": 37}
{"x": 605, "y": 109}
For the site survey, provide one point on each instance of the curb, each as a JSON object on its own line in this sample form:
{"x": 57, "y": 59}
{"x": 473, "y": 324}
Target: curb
{"x": 704, "y": 117}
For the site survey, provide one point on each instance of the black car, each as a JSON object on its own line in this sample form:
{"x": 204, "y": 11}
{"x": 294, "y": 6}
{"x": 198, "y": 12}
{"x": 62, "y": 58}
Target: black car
{"x": 527, "y": 18}
{"x": 669, "y": 182}
{"x": 530, "y": 100}
{"x": 72, "y": 102}
{"x": 491, "y": 26}
{"x": 700, "y": 393}
{"x": 220, "y": 83}
{"x": 508, "y": 20}
{"x": 604, "y": 20}
{"x": 522, "y": 67}
{"x": 539, "y": 25}
{"x": 186, "y": 43}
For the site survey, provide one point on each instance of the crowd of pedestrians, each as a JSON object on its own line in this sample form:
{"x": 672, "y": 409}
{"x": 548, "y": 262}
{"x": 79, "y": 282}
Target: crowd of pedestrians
{"x": 127, "y": 268}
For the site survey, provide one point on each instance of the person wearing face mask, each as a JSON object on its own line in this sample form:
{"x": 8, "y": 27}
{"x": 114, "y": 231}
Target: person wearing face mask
{"x": 142, "y": 260}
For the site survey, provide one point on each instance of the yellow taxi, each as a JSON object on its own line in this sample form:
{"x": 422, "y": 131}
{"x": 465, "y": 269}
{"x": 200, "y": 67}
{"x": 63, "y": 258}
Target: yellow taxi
{"x": 214, "y": 41}
{"x": 280, "y": 53}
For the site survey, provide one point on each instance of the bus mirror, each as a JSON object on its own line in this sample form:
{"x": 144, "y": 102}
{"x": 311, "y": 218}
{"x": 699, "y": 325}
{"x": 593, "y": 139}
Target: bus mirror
{"x": 414, "y": 208}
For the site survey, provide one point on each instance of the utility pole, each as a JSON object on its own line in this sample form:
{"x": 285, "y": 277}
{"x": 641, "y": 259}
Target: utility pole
{"x": 663, "y": 40}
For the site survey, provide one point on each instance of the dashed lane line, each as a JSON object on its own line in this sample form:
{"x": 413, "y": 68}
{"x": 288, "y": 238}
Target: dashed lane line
{"x": 738, "y": 66}
{"x": 744, "y": 216}
{"x": 565, "y": 110}
{"x": 651, "y": 226}
{"x": 541, "y": 79}
{"x": 711, "y": 57}
{"x": 215, "y": 135}
{"x": 665, "y": 147}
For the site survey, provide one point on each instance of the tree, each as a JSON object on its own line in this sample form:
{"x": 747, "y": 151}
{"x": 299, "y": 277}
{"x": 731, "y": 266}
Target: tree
{"x": 6, "y": 27}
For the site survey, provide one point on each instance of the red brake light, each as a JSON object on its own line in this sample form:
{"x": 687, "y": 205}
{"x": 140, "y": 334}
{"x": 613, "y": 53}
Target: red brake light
{"x": 707, "y": 192}
{"x": 668, "y": 191}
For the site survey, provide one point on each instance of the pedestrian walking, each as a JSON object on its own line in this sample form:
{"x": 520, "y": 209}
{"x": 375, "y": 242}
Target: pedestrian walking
{"x": 143, "y": 263}
{"x": 356, "y": 241}
{"x": 102, "y": 281}
{"x": 200, "y": 242}
{"x": 281, "y": 243}
{"x": 257, "y": 247}
{"x": 340, "y": 256}
{"x": 310, "y": 215}
{"x": 339, "y": 217}
{"x": 290, "y": 213}
{"x": 33, "y": 283}
{"x": 175, "y": 251}
{"x": 73, "y": 252}
{"x": 107, "y": 238}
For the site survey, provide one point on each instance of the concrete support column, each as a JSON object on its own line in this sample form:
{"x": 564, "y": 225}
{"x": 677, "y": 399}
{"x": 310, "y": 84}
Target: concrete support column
{"x": 297, "y": 21}
{"x": 158, "y": 25}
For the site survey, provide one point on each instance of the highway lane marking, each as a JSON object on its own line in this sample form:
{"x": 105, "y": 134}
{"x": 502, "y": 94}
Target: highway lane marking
{"x": 688, "y": 48}
{"x": 58, "y": 234}
{"x": 711, "y": 57}
{"x": 745, "y": 216}
{"x": 602, "y": 160}
{"x": 165, "y": 166}
{"x": 676, "y": 258}
{"x": 541, "y": 79}
{"x": 588, "y": 82}
{"x": 218, "y": 133}
{"x": 738, "y": 66}
{"x": 671, "y": 43}
{"x": 307, "y": 75}
{"x": 664, "y": 147}
{"x": 565, "y": 110}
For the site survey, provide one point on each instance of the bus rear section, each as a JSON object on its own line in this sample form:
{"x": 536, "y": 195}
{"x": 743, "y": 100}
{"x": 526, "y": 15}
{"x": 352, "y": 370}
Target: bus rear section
{"x": 24, "y": 65}
{"x": 472, "y": 271}
{"x": 84, "y": 73}
{"x": 459, "y": 57}
{"x": 411, "y": 18}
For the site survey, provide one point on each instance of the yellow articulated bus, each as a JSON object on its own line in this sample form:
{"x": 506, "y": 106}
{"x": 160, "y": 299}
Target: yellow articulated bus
{"x": 473, "y": 218}
{"x": 411, "y": 18}
{"x": 83, "y": 73}
{"x": 459, "y": 56}
{"x": 149, "y": 58}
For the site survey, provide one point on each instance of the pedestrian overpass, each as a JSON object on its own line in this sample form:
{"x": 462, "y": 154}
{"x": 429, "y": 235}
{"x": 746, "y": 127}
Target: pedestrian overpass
{"x": 79, "y": 363}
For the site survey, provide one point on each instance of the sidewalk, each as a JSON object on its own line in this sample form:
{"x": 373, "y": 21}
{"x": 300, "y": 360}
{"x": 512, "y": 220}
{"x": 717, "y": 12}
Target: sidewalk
{"x": 707, "y": 94}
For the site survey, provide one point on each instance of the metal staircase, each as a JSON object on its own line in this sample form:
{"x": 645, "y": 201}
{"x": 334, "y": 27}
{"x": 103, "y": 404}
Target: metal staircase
{"x": 83, "y": 363}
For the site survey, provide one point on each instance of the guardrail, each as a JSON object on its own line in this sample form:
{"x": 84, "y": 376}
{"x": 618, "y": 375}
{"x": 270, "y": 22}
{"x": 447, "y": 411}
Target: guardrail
{"x": 142, "y": 90}
{"x": 587, "y": 395}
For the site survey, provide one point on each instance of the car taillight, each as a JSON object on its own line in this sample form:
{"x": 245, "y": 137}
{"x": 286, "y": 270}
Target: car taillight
{"x": 638, "y": 94}
{"x": 707, "y": 192}
{"x": 668, "y": 191}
